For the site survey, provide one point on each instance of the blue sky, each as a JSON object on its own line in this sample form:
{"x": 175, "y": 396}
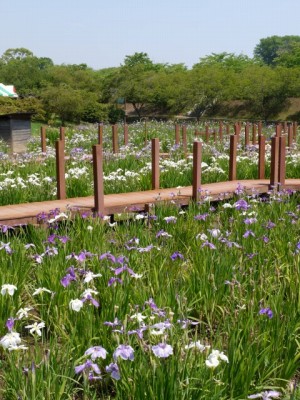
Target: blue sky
{"x": 101, "y": 33}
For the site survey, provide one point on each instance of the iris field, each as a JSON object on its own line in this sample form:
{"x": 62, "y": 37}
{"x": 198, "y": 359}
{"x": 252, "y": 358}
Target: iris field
{"x": 201, "y": 302}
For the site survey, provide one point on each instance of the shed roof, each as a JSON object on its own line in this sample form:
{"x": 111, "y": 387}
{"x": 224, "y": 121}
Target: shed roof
{"x": 7, "y": 90}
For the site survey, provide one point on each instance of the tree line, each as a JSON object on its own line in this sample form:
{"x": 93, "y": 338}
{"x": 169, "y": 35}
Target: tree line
{"x": 259, "y": 86}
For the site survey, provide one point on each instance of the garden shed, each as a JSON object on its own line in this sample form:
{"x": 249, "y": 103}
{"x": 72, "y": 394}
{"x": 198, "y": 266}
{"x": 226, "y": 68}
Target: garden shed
{"x": 15, "y": 129}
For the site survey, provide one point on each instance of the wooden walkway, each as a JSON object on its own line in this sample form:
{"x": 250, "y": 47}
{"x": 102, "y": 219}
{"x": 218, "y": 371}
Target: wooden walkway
{"x": 26, "y": 213}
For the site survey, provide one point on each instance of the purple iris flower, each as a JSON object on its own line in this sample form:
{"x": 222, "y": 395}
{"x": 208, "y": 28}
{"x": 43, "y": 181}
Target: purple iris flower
{"x": 113, "y": 370}
{"x": 248, "y": 233}
{"x": 267, "y": 311}
{"x": 87, "y": 366}
{"x": 162, "y": 350}
{"x": 241, "y": 205}
{"x": 270, "y": 225}
{"x": 208, "y": 244}
{"x": 124, "y": 351}
{"x": 109, "y": 256}
{"x": 89, "y": 298}
{"x": 96, "y": 352}
{"x": 114, "y": 280}
{"x": 69, "y": 277}
{"x": 10, "y": 323}
{"x": 176, "y": 255}
{"x": 201, "y": 217}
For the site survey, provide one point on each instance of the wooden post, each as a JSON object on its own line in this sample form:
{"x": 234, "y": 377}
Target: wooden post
{"x": 197, "y": 159}
{"x": 281, "y": 164}
{"x": 221, "y": 131}
{"x": 100, "y": 134}
{"x": 62, "y": 134}
{"x": 60, "y": 170}
{"x": 295, "y": 126}
{"x": 259, "y": 128}
{"x": 274, "y": 161}
{"x": 237, "y": 130}
{"x": 155, "y": 163}
{"x": 227, "y": 129}
{"x": 98, "y": 179}
{"x": 232, "y": 157}
{"x": 261, "y": 156}
{"x": 115, "y": 140}
{"x": 207, "y": 133}
{"x": 247, "y": 138}
{"x": 215, "y": 135}
{"x": 290, "y": 136}
{"x": 278, "y": 130}
{"x": 177, "y": 134}
{"x": 253, "y": 134}
{"x": 285, "y": 126}
{"x": 184, "y": 140}
{"x": 43, "y": 139}
{"x": 125, "y": 134}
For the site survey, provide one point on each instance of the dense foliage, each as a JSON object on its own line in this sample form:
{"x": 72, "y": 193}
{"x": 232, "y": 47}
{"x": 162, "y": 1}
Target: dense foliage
{"x": 261, "y": 85}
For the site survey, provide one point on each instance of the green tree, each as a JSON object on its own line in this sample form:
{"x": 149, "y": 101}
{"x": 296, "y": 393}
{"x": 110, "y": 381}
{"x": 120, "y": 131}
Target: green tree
{"x": 64, "y": 102}
{"x": 272, "y": 47}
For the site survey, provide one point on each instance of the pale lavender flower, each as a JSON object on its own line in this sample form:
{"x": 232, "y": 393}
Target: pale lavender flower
{"x": 208, "y": 244}
{"x": 267, "y": 395}
{"x": 114, "y": 280}
{"x": 113, "y": 370}
{"x": 162, "y": 350}
{"x": 87, "y": 366}
{"x": 170, "y": 219}
{"x": 96, "y": 352}
{"x": 124, "y": 351}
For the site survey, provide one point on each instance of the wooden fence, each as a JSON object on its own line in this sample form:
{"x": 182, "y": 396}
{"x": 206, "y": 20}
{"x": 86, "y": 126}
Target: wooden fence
{"x": 277, "y": 171}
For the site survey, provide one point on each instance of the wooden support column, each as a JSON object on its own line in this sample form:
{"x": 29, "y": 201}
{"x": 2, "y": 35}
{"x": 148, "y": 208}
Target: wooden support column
{"x": 285, "y": 127}
{"x": 227, "y": 129}
{"x": 100, "y": 134}
{"x": 232, "y": 157}
{"x": 281, "y": 163}
{"x": 247, "y": 138}
{"x": 197, "y": 160}
{"x": 115, "y": 139}
{"x": 155, "y": 163}
{"x": 215, "y": 136}
{"x": 261, "y": 156}
{"x": 60, "y": 170}
{"x": 177, "y": 134}
{"x": 237, "y": 130}
{"x": 207, "y": 133}
{"x": 221, "y": 131}
{"x": 62, "y": 133}
{"x": 253, "y": 134}
{"x": 295, "y": 127}
{"x": 259, "y": 128}
{"x": 290, "y": 136}
{"x": 184, "y": 139}
{"x": 278, "y": 130}
{"x": 125, "y": 134}
{"x": 43, "y": 139}
{"x": 274, "y": 161}
{"x": 98, "y": 179}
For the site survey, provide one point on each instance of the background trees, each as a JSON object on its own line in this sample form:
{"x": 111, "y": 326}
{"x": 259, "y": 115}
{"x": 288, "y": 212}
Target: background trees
{"x": 261, "y": 85}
